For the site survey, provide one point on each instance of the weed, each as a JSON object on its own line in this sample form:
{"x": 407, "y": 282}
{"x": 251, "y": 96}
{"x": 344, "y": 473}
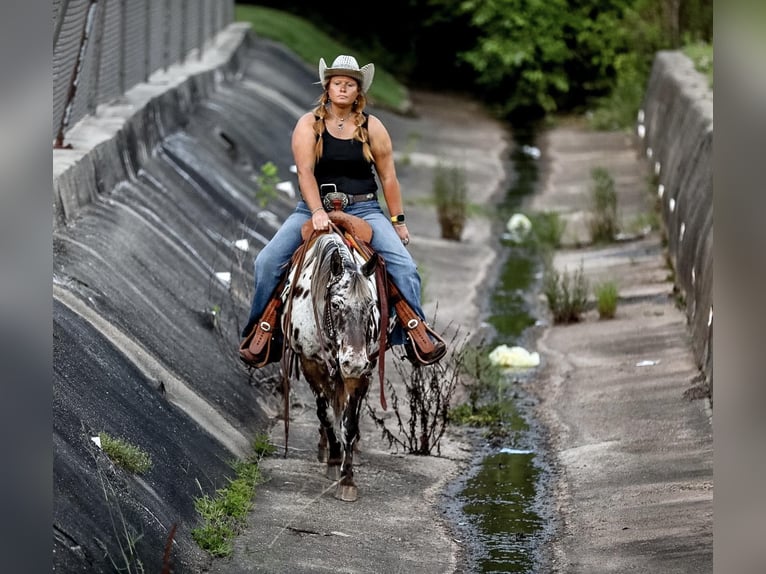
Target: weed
{"x": 643, "y": 223}
{"x": 450, "y": 192}
{"x": 487, "y": 405}
{"x": 567, "y": 295}
{"x": 606, "y": 299}
{"x": 429, "y": 391}
{"x": 262, "y": 447}
{"x": 701, "y": 54}
{"x": 603, "y": 222}
{"x": 548, "y": 228}
{"x": 224, "y": 514}
{"x": 125, "y": 534}
{"x": 267, "y": 181}
{"x": 124, "y": 454}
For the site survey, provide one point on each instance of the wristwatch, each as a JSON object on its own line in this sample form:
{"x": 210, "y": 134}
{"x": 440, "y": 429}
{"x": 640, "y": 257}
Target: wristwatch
{"x": 397, "y": 218}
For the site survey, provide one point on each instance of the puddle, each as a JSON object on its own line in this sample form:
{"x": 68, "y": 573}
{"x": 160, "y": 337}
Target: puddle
{"x": 499, "y": 508}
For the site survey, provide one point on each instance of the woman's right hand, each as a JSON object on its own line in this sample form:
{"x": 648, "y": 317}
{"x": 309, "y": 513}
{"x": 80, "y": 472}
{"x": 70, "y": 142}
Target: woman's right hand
{"x": 320, "y": 220}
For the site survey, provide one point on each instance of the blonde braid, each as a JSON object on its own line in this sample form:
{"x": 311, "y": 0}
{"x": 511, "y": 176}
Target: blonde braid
{"x": 319, "y": 125}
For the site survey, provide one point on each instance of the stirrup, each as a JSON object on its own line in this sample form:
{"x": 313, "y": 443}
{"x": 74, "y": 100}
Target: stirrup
{"x": 435, "y": 345}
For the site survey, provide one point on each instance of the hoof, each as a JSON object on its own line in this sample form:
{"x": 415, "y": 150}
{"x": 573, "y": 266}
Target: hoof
{"x": 322, "y": 454}
{"x": 346, "y": 492}
{"x": 333, "y": 471}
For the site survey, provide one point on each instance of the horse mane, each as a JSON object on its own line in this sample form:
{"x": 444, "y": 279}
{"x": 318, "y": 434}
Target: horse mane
{"x": 325, "y": 246}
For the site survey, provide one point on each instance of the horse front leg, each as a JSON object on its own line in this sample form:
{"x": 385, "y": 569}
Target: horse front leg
{"x": 349, "y": 430}
{"x": 329, "y": 447}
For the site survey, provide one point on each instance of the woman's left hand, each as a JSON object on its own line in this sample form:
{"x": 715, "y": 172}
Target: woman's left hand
{"x": 403, "y": 233}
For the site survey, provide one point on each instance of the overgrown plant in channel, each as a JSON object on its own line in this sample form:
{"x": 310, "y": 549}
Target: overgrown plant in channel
{"x": 124, "y": 454}
{"x": 483, "y": 384}
{"x": 603, "y": 223}
{"x": 422, "y": 415}
{"x": 606, "y": 299}
{"x": 567, "y": 295}
{"x": 223, "y": 515}
{"x": 451, "y": 196}
{"x": 547, "y": 229}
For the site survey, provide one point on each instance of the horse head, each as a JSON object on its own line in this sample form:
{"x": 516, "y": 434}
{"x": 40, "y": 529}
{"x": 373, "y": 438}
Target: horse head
{"x": 346, "y": 299}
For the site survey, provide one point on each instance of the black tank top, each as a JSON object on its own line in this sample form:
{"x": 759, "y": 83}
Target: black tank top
{"x": 343, "y": 163}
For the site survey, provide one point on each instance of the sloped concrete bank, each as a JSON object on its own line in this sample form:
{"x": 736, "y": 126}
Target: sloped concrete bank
{"x": 677, "y": 127}
{"x": 158, "y": 218}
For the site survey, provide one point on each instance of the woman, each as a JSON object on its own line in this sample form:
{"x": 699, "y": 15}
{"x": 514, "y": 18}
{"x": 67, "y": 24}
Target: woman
{"x": 335, "y": 147}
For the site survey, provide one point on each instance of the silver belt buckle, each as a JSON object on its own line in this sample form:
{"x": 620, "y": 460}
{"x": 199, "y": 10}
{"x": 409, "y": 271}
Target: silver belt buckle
{"x": 331, "y": 196}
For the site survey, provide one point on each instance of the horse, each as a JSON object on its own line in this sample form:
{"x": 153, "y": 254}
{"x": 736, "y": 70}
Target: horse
{"x": 332, "y": 330}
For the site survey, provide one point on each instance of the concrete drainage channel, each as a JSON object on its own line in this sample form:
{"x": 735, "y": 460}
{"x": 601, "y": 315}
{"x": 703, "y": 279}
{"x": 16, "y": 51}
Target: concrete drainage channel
{"x": 500, "y": 508}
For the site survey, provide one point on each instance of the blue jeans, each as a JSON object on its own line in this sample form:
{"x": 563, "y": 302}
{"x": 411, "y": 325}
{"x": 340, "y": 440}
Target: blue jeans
{"x": 273, "y": 259}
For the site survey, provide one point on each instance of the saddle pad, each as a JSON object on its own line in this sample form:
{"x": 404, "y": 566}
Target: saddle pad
{"x": 354, "y": 225}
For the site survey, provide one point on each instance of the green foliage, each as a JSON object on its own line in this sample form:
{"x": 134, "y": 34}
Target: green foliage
{"x": 267, "y": 181}
{"x": 450, "y": 192}
{"x": 311, "y": 43}
{"x": 603, "y": 222}
{"x": 606, "y": 299}
{"x": 223, "y": 515}
{"x": 485, "y": 385}
{"x": 545, "y": 56}
{"x": 547, "y": 229}
{"x": 124, "y": 454}
{"x": 479, "y": 415}
{"x": 262, "y": 446}
{"x": 701, "y": 53}
{"x": 567, "y": 295}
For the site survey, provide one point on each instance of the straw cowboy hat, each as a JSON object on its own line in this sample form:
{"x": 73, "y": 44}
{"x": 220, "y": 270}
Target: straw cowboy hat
{"x": 347, "y": 66}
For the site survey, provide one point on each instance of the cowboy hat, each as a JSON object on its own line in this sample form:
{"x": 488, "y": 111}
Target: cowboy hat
{"x": 347, "y": 66}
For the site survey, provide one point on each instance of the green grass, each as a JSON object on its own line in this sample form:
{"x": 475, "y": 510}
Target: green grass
{"x": 603, "y": 222}
{"x": 124, "y": 454}
{"x": 701, "y": 53}
{"x": 567, "y": 295}
{"x": 606, "y": 299}
{"x": 310, "y": 43}
{"x": 223, "y": 515}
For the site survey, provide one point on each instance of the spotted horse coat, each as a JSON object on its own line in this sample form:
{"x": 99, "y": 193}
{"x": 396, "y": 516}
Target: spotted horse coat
{"x": 332, "y": 332}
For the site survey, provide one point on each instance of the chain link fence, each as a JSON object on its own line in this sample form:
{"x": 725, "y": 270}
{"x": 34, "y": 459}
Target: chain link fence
{"x": 101, "y": 48}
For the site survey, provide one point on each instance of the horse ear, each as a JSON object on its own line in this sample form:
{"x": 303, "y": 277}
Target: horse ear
{"x": 369, "y": 267}
{"x": 336, "y": 263}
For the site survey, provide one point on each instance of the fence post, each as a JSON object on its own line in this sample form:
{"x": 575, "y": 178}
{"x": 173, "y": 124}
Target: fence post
{"x": 59, "y": 22}
{"x": 86, "y": 28}
{"x": 184, "y": 24}
{"x": 123, "y": 47}
{"x": 166, "y": 43}
{"x": 96, "y": 76}
{"x": 147, "y": 39}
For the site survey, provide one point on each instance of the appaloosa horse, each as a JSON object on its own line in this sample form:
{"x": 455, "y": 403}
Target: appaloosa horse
{"x": 332, "y": 329}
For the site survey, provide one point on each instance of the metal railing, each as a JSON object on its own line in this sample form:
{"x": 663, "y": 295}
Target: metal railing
{"x": 101, "y": 48}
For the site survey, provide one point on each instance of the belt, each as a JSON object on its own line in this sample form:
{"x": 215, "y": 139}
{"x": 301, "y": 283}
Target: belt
{"x": 334, "y": 199}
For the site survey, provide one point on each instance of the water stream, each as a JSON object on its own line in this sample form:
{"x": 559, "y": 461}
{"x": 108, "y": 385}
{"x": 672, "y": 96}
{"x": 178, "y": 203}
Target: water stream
{"x": 500, "y": 506}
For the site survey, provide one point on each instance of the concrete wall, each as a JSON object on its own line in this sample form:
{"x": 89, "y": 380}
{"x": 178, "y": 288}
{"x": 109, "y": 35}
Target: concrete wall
{"x": 158, "y": 217}
{"x": 676, "y": 124}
